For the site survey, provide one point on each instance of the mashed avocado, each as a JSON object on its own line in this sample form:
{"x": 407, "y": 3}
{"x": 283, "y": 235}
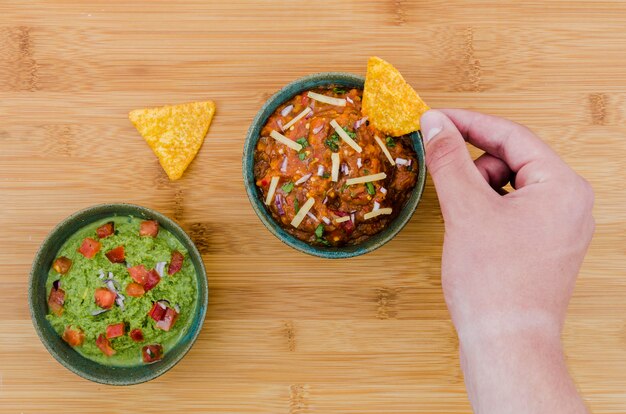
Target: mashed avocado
{"x": 86, "y": 275}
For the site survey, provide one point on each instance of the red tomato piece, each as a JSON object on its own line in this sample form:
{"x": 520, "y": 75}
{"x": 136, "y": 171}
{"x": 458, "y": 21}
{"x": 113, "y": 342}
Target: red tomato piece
{"x": 152, "y": 280}
{"x": 176, "y": 263}
{"x": 117, "y": 255}
{"x": 136, "y": 335}
{"x": 56, "y": 301}
{"x": 62, "y": 265}
{"x": 158, "y": 311}
{"x": 105, "y": 345}
{"x": 152, "y": 353}
{"x": 168, "y": 320}
{"x": 104, "y": 298}
{"x": 74, "y": 337}
{"x": 135, "y": 290}
{"x": 139, "y": 274}
{"x": 115, "y": 330}
{"x": 106, "y": 230}
{"x": 89, "y": 248}
{"x": 149, "y": 228}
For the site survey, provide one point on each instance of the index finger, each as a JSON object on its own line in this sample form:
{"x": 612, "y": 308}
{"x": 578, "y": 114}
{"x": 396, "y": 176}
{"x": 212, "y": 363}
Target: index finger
{"x": 507, "y": 140}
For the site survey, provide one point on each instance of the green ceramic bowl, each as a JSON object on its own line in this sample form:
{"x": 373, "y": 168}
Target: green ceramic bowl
{"x": 283, "y": 95}
{"x": 58, "y": 348}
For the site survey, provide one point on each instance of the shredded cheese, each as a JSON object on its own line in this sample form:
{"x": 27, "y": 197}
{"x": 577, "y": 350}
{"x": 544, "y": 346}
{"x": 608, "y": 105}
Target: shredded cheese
{"x": 302, "y": 212}
{"x": 286, "y": 141}
{"x": 345, "y": 136}
{"x": 272, "y": 190}
{"x": 342, "y": 219}
{"x": 327, "y": 99}
{"x": 385, "y": 150}
{"x": 366, "y": 178}
{"x": 376, "y": 213}
{"x": 334, "y": 172}
{"x": 297, "y": 118}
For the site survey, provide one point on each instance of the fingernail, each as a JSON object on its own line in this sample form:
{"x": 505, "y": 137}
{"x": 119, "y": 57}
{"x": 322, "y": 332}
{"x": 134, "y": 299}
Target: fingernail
{"x": 432, "y": 124}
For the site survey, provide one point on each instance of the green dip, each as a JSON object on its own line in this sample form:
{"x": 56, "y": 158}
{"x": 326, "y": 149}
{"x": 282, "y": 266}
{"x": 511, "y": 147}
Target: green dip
{"x": 83, "y": 279}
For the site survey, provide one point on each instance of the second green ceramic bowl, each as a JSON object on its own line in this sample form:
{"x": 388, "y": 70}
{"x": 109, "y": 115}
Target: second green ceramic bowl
{"x": 64, "y": 353}
{"x": 303, "y": 84}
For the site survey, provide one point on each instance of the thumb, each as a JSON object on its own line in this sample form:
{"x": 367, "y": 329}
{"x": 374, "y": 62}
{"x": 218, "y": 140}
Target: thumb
{"x": 456, "y": 178}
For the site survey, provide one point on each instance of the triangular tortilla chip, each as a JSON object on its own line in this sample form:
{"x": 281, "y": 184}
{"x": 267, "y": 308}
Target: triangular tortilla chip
{"x": 175, "y": 133}
{"x": 390, "y": 103}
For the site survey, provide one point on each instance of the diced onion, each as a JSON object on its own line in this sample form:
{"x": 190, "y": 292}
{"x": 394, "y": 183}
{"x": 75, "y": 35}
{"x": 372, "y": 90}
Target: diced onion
{"x": 384, "y": 148}
{"x": 383, "y": 190}
{"x": 302, "y": 212}
{"x": 303, "y": 179}
{"x": 280, "y": 125}
{"x": 353, "y": 218}
{"x": 283, "y": 166}
{"x": 366, "y": 178}
{"x": 345, "y": 136}
{"x": 376, "y": 205}
{"x": 326, "y": 220}
{"x": 272, "y": 190}
{"x": 376, "y": 213}
{"x": 360, "y": 122}
{"x": 297, "y": 118}
{"x": 286, "y": 141}
{"x": 349, "y": 100}
{"x": 312, "y": 217}
{"x": 160, "y": 268}
{"x": 320, "y": 170}
{"x": 286, "y": 110}
{"x": 318, "y": 128}
{"x": 401, "y": 161}
{"x": 359, "y": 163}
{"x": 334, "y": 175}
{"x": 327, "y": 99}
{"x": 342, "y": 219}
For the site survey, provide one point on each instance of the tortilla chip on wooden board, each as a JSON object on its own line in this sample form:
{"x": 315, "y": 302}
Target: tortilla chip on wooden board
{"x": 174, "y": 132}
{"x": 389, "y": 102}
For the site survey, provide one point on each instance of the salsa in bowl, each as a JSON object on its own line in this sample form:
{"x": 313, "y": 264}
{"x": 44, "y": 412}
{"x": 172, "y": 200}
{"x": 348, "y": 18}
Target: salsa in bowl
{"x": 118, "y": 293}
{"x": 324, "y": 180}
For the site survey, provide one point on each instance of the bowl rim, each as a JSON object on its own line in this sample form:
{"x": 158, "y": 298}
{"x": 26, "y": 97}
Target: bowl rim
{"x": 270, "y": 105}
{"x": 201, "y": 306}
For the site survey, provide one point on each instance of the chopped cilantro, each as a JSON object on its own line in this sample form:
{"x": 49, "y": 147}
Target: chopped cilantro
{"x": 351, "y": 134}
{"x": 326, "y": 175}
{"x": 319, "y": 231}
{"x": 302, "y": 141}
{"x": 296, "y": 205}
{"x": 287, "y": 187}
{"x": 390, "y": 142}
{"x": 343, "y": 187}
{"x": 339, "y": 90}
{"x": 323, "y": 241}
{"x": 370, "y": 188}
{"x": 332, "y": 142}
{"x": 366, "y": 171}
{"x": 302, "y": 156}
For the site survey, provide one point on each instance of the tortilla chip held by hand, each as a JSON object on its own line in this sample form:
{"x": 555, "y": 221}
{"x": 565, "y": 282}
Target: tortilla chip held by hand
{"x": 175, "y": 133}
{"x": 390, "y": 103}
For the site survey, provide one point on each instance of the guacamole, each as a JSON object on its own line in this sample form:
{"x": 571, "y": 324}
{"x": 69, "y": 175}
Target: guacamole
{"x": 122, "y": 291}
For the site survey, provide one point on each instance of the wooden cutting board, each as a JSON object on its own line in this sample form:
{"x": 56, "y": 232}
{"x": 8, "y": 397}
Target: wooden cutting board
{"x": 288, "y": 333}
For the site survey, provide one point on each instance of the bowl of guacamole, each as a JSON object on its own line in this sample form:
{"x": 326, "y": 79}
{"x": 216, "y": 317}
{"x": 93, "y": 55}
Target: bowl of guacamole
{"x": 118, "y": 293}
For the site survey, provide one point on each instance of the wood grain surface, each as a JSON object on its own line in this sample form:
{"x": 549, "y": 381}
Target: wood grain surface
{"x": 288, "y": 333}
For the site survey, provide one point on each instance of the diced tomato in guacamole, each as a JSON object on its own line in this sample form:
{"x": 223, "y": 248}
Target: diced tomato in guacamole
{"x": 56, "y": 300}
{"x": 74, "y": 337}
{"x": 158, "y": 311}
{"x": 152, "y": 353}
{"x": 136, "y": 335}
{"x": 104, "y": 298}
{"x": 116, "y": 255}
{"x": 139, "y": 274}
{"x": 116, "y": 330}
{"x": 135, "y": 290}
{"x": 106, "y": 230}
{"x": 62, "y": 265}
{"x": 89, "y": 248}
{"x": 176, "y": 263}
{"x": 149, "y": 228}
{"x": 168, "y": 320}
{"x": 152, "y": 280}
{"x": 105, "y": 345}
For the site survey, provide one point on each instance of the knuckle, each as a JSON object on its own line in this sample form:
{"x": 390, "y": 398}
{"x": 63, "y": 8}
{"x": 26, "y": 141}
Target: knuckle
{"x": 442, "y": 152}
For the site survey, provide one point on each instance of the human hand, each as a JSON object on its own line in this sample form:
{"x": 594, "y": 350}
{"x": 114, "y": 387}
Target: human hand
{"x": 509, "y": 261}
